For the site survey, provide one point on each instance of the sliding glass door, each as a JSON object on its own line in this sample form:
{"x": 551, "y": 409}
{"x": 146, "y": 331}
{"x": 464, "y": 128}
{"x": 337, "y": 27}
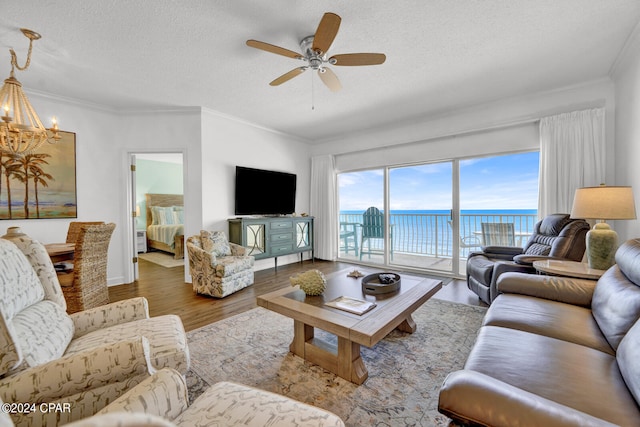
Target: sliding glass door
{"x": 362, "y": 218}
{"x": 497, "y": 189}
{"x": 430, "y": 216}
{"x": 420, "y": 201}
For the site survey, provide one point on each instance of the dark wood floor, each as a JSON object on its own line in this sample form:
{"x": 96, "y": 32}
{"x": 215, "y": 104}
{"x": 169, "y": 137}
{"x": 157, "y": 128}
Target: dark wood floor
{"x": 167, "y": 292}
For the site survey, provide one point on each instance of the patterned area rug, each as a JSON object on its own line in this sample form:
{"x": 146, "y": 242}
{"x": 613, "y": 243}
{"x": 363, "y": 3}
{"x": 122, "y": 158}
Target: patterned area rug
{"x": 405, "y": 370}
{"x": 161, "y": 258}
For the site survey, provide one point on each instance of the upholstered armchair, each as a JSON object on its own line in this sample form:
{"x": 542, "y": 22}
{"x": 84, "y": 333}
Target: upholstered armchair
{"x": 161, "y": 400}
{"x": 76, "y": 386}
{"x": 555, "y": 237}
{"x": 218, "y": 268}
{"x": 36, "y": 330}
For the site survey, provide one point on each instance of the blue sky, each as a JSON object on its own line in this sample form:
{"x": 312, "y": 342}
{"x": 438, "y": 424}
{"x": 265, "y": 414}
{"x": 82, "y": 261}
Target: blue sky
{"x": 499, "y": 182}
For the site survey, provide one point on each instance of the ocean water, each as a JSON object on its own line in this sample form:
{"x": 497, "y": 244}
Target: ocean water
{"x": 429, "y": 232}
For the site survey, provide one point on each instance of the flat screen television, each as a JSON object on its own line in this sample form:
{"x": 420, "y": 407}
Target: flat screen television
{"x": 264, "y": 192}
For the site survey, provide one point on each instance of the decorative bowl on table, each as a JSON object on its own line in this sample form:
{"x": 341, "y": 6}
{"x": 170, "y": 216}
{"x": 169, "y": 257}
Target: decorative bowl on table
{"x": 380, "y": 283}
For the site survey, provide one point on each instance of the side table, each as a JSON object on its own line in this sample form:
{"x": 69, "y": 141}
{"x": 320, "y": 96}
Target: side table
{"x": 141, "y": 239}
{"x": 575, "y": 269}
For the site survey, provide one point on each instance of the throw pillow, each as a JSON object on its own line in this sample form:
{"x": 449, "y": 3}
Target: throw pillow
{"x": 215, "y": 242}
{"x": 178, "y": 215}
{"x": 162, "y": 215}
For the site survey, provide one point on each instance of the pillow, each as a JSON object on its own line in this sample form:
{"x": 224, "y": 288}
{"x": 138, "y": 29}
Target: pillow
{"x": 215, "y": 242}
{"x": 178, "y": 215}
{"x": 162, "y": 215}
{"x": 155, "y": 215}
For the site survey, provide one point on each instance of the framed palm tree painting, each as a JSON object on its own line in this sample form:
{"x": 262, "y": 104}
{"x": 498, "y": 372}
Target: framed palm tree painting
{"x": 42, "y": 184}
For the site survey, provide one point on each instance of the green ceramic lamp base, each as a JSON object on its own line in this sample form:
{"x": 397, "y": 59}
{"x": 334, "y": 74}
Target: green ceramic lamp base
{"x": 602, "y": 243}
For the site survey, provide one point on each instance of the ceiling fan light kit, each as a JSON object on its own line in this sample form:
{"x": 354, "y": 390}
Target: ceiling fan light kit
{"x": 314, "y": 52}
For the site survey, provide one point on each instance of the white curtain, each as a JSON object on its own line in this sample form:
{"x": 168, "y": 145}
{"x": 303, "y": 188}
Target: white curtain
{"x": 572, "y": 155}
{"x": 324, "y": 207}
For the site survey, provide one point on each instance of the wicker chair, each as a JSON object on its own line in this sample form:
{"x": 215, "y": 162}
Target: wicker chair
{"x": 76, "y": 226}
{"x": 86, "y": 285}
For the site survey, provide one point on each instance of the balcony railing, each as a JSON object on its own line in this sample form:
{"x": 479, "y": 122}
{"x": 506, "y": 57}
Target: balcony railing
{"x": 431, "y": 234}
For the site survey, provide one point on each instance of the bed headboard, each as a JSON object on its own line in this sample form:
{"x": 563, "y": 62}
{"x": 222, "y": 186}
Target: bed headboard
{"x": 162, "y": 200}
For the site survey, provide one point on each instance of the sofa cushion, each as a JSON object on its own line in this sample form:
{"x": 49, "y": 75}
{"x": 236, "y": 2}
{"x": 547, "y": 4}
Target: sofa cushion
{"x": 572, "y": 375}
{"x": 40, "y": 260}
{"x": 627, "y": 356}
{"x": 615, "y": 304}
{"x": 230, "y": 265}
{"x": 215, "y": 242}
{"x": 44, "y": 330}
{"x": 19, "y": 287}
{"x": 166, "y": 336}
{"x": 628, "y": 259}
{"x": 553, "y": 319}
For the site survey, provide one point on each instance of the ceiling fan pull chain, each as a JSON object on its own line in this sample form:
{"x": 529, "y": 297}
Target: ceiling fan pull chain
{"x": 313, "y": 106}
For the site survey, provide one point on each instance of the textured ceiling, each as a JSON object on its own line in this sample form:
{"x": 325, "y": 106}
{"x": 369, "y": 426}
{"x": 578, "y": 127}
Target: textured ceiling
{"x": 441, "y": 55}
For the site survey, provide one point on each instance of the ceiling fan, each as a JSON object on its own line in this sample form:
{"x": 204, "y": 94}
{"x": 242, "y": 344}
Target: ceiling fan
{"x": 314, "y": 53}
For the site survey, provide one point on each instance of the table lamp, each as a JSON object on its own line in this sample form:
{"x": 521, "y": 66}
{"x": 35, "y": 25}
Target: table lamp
{"x": 603, "y": 203}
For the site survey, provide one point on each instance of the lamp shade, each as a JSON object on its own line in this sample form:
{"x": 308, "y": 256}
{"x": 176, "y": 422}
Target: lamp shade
{"x": 604, "y": 203}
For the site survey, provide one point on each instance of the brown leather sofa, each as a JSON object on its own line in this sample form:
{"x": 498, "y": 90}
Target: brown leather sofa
{"x": 557, "y": 236}
{"x": 555, "y": 351}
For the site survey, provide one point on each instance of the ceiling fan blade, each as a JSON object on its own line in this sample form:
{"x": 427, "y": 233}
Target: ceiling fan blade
{"x": 288, "y": 76}
{"x": 358, "y": 59}
{"x": 326, "y": 32}
{"x": 330, "y": 79}
{"x": 273, "y": 49}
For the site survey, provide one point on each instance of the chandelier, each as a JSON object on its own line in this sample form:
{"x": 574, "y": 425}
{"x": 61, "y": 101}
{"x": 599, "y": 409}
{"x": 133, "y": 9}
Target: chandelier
{"x": 21, "y": 131}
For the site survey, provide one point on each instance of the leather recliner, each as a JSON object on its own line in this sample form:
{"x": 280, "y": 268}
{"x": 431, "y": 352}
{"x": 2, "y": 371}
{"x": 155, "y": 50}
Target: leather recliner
{"x": 555, "y": 237}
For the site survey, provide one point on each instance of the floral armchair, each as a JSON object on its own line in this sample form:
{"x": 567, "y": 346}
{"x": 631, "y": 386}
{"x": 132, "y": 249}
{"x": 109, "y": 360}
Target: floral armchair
{"x": 36, "y": 332}
{"x": 218, "y": 268}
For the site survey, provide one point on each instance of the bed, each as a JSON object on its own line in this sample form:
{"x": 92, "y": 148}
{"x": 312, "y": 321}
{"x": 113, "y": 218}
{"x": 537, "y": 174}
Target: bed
{"x": 165, "y": 223}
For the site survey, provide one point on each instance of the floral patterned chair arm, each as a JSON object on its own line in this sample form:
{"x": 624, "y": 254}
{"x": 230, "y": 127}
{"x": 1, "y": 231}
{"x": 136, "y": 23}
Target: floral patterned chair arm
{"x": 75, "y": 386}
{"x": 109, "y": 315}
{"x": 237, "y": 250}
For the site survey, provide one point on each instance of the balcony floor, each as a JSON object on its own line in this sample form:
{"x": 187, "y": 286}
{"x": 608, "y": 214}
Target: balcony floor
{"x": 442, "y": 265}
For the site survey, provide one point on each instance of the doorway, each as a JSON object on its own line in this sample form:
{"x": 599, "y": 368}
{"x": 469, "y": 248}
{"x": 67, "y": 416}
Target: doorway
{"x": 157, "y": 174}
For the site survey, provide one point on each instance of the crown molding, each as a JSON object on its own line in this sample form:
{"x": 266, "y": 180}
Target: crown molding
{"x": 254, "y": 125}
{"x": 634, "y": 38}
{"x": 68, "y": 100}
{"x": 155, "y": 110}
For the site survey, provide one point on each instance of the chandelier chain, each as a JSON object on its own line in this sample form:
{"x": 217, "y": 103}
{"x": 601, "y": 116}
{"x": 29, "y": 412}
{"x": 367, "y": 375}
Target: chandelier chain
{"x": 14, "y": 59}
